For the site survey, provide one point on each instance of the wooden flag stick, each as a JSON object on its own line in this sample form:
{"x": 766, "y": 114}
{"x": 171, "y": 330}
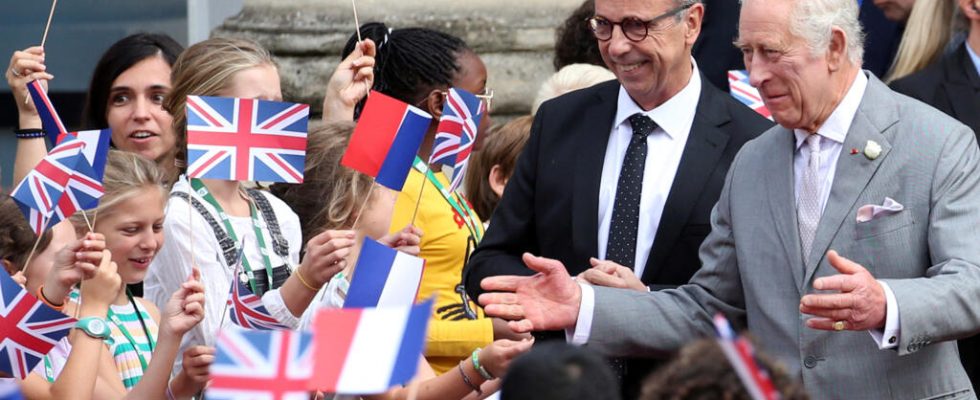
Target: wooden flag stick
{"x": 419, "y": 200}
{"x": 89, "y": 224}
{"x": 47, "y": 26}
{"x": 356, "y": 22}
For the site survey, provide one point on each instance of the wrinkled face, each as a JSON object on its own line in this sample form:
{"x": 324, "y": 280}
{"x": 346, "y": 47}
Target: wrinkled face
{"x": 62, "y": 234}
{"x": 134, "y": 232}
{"x": 896, "y": 10}
{"x": 793, "y": 82}
{"x": 260, "y": 82}
{"x": 472, "y": 77}
{"x": 135, "y": 113}
{"x": 657, "y": 67}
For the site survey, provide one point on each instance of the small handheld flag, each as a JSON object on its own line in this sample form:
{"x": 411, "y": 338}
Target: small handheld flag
{"x": 367, "y": 351}
{"x": 28, "y": 328}
{"x": 741, "y": 355}
{"x": 386, "y": 139}
{"x": 460, "y": 122}
{"x": 273, "y": 365}
{"x": 39, "y": 192}
{"x": 741, "y": 90}
{"x": 246, "y": 139}
{"x": 84, "y": 188}
{"x": 50, "y": 120}
{"x": 384, "y": 277}
{"x": 246, "y": 310}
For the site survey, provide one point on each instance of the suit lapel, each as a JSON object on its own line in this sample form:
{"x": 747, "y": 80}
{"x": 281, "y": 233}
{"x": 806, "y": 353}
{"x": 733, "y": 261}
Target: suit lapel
{"x": 854, "y": 171}
{"x": 702, "y": 152}
{"x": 592, "y": 138}
{"x": 782, "y": 200}
{"x": 961, "y": 86}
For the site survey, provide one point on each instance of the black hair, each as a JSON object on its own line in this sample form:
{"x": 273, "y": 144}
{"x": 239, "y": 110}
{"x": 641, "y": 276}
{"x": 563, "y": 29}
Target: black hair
{"x": 559, "y": 371}
{"x": 120, "y": 57}
{"x": 574, "y": 41}
{"x": 410, "y": 62}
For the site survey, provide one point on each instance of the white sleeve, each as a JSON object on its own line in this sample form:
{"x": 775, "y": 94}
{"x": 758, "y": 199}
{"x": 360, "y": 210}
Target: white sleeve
{"x": 579, "y": 335}
{"x": 888, "y": 338}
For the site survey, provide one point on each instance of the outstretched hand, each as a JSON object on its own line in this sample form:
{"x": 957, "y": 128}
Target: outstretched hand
{"x": 548, "y": 300}
{"x": 350, "y": 82}
{"x": 858, "y": 302}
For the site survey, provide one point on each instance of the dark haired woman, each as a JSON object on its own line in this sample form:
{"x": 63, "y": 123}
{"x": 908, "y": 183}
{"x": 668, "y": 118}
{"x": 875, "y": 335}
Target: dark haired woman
{"x": 127, "y": 90}
{"x": 418, "y": 66}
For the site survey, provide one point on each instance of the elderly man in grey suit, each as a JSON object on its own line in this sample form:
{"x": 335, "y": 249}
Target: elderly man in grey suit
{"x": 845, "y": 239}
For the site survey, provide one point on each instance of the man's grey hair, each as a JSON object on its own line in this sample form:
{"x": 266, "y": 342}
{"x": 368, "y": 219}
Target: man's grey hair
{"x": 814, "y": 20}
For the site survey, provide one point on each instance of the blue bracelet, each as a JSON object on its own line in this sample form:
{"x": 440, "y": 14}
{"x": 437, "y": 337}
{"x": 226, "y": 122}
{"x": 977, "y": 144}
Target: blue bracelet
{"x": 31, "y": 133}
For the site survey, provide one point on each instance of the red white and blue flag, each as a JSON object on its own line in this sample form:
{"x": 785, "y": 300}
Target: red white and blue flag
{"x": 246, "y": 139}
{"x": 28, "y": 328}
{"x": 246, "y": 310}
{"x": 41, "y": 190}
{"x": 740, "y": 353}
{"x": 384, "y": 277}
{"x": 267, "y": 365}
{"x": 84, "y": 187}
{"x": 741, "y": 90}
{"x": 50, "y": 121}
{"x": 386, "y": 139}
{"x": 369, "y": 350}
{"x": 458, "y": 127}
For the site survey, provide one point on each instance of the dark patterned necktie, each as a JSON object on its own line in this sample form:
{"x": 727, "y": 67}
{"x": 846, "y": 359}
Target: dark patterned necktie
{"x": 621, "y": 244}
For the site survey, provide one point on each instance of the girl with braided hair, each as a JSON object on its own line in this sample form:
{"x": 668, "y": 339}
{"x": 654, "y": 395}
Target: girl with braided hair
{"x": 418, "y": 66}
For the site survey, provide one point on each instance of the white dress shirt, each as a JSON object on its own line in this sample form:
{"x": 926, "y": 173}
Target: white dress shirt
{"x": 832, "y": 132}
{"x": 665, "y": 145}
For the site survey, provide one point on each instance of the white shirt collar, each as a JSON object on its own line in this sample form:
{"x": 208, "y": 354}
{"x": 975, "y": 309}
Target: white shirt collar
{"x": 836, "y": 126}
{"x": 675, "y": 116}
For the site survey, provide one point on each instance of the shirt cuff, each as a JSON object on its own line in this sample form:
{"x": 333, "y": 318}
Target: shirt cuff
{"x": 579, "y": 335}
{"x": 273, "y": 302}
{"x": 888, "y": 338}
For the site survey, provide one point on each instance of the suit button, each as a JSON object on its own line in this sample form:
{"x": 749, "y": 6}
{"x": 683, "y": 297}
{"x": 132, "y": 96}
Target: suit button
{"x": 810, "y": 362}
{"x": 892, "y": 340}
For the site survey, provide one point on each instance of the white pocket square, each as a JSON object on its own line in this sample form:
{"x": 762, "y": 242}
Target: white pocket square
{"x": 871, "y": 211}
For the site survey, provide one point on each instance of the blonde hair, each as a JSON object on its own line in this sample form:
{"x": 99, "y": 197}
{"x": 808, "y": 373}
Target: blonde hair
{"x": 569, "y": 78}
{"x": 126, "y": 174}
{"x": 926, "y": 34}
{"x": 206, "y": 69}
{"x": 330, "y": 194}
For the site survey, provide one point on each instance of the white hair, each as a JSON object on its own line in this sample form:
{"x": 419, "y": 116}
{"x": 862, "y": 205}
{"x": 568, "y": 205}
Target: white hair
{"x": 814, "y": 20}
{"x": 571, "y": 77}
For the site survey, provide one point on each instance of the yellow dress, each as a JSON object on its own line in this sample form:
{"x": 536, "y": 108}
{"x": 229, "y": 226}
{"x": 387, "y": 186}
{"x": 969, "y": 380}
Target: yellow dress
{"x": 458, "y": 325}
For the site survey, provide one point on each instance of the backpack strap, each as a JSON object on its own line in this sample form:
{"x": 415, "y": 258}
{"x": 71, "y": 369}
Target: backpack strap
{"x": 279, "y": 244}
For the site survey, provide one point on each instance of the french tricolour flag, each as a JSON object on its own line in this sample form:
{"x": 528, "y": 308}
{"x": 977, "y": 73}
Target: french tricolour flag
{"x": 369, "y": 350}
{"x": 386, "y": 139}
{"x": 384, "y": 277}
{"x": 50, "y": 120}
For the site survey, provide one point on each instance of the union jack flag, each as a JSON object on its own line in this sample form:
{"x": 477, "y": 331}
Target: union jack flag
{"x": 246, "y": 139}
{"x": 741, "y": 354}
{"x": 262, "y": 365}
{"x": 456, "y": 133}
{"x": 50, "y": 120}
{"x": 84, "y": 187}
{"x": 41, "y": 190}
{"x": 246, "y": 309}
{"x": 741, "y": 90}
{"x": 28, "y": 328}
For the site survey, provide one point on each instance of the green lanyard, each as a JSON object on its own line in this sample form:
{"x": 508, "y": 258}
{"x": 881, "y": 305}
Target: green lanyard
{"x": 203, "y": 192}
{"x": 48, "y": 370}
{"x": 122, "y": 328}
{"x": 461, "y": 207}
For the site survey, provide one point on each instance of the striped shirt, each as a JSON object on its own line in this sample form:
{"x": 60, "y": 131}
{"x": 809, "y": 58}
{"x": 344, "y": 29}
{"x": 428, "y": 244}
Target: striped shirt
{"x": 127, "y": 359}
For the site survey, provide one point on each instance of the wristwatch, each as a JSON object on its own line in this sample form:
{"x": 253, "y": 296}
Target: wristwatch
{"x": 94, "y": 327}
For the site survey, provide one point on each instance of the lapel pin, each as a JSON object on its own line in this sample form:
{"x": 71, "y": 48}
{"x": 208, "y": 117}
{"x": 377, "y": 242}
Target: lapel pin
{"x": 872, "y": 150}
{"x": 854, "y": 151}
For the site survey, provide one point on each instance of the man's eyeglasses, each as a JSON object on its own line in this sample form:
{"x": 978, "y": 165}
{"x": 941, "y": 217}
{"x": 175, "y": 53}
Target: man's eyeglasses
{"x": 635, "y": 29}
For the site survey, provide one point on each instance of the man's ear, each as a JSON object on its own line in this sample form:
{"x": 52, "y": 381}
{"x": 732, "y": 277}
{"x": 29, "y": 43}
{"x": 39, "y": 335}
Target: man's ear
{"x": 837, "y": 49}
{"x": 434, "y": 103}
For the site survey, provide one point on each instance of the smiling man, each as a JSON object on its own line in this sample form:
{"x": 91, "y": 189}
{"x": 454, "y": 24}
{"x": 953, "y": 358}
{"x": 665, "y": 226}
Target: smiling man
{"x": 627, "y": 171}
{"x": 888, "y": 182}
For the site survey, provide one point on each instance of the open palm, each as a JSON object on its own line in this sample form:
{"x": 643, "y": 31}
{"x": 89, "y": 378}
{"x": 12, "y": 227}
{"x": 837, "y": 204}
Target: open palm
{"x": 548, "y": 300}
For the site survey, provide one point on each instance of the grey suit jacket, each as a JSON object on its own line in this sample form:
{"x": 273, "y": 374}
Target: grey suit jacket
{"x": 754, "y": 273}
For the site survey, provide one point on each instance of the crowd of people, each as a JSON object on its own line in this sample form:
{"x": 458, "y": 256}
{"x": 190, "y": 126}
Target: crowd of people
{"x": 635, "y": 202}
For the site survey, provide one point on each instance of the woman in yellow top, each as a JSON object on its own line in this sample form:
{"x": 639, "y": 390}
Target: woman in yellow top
{"x": 418, "y": 66}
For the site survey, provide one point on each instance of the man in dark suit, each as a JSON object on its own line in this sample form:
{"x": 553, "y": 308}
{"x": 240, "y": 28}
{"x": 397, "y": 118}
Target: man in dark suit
{"x": 626, "y": 171}
{"x": 952, "y": 85}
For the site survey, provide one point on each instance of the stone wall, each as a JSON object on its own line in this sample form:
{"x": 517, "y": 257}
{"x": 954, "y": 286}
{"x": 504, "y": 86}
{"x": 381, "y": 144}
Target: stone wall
{"x": 515, "y": 38}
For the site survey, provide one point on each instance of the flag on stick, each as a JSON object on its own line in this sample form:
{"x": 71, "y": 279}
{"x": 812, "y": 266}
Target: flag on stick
{"x": 246, "y": 310}
{"x": 269, "y": 365}
{"x": 39, "y": 192}
{"x": 457, "y": 130}
{"x": 84, "y": 188}
{"x": 50, "y": 121}
{"x": 386, "y": 139}
{"x": 384, "y": 277}
{"x": 741, "y": 354}
{"x": 28, "y": 328}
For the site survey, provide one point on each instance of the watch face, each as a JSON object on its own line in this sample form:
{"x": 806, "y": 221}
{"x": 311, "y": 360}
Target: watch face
{"x": 97, "y": 327}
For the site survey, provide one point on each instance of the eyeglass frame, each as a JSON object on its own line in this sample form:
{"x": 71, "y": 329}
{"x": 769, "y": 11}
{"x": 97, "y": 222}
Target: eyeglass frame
{"x": 486, "y": 97}
{"x": 591, "y": 21}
